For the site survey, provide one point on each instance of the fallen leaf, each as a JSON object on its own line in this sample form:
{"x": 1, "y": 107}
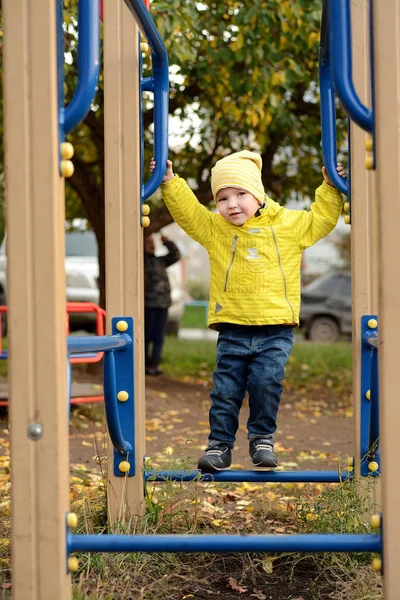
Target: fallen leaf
{"x": 259, "y": 595}
{"x": 233, "y": 584}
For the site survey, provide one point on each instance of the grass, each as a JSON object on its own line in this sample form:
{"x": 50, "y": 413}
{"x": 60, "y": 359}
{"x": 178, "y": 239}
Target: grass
{"x": 196, "y": 507}
{"x": 309, "y": 365}
{"x": 194, "y": 317}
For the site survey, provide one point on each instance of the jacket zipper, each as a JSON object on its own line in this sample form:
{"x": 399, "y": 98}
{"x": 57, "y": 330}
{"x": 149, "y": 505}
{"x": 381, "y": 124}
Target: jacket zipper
{"x": 283, "y": 274}
{"x": 234, "y": 242}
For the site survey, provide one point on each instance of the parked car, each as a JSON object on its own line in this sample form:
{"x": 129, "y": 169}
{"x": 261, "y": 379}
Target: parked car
{"x": 325, "y": 310}
{"x": 82, "y": 279}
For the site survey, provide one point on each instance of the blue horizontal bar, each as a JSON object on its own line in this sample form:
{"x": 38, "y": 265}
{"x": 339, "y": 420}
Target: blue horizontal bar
{"x": 4, "y": 355}
{"x": 257, "y": 476}
{"x": 225, "y": 543}
{"x": 97, "y": 343}
{"x": 251, "y": 476}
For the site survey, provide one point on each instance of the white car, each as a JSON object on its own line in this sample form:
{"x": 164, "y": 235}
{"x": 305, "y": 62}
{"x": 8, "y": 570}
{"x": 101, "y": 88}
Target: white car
{"x": 82, "y": 266}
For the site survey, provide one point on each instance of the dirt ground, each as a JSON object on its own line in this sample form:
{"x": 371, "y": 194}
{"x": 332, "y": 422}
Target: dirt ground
{"x": 312, "y": 432}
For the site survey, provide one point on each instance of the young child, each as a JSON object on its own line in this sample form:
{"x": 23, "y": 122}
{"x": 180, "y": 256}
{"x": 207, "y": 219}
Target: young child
{"x": 255, "y": 247}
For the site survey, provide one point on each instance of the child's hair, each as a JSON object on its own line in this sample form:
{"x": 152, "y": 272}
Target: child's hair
{"x": 239, "y": 170}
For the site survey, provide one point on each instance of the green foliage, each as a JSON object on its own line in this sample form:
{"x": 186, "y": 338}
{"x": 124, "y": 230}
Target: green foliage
{"x": 198, "y": 289}
{"x": 242, "y": 75}
{"x": 247, "y": 76}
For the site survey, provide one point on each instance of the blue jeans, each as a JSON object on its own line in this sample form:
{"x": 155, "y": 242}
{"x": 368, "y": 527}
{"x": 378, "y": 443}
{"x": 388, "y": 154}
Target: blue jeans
{"x": 249, "y": 359}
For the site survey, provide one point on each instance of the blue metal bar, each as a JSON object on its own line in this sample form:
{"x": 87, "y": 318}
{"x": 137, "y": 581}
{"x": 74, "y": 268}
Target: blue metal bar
{"x": 60, "y": 70}
{"x": 97, "y": 343}
{"x": 122, "y": 379}
{"x": 160, "y": 87}
{"x": 371, "y": 339}
{"x": 147, "y": 84}
{"x": 69, "y": 387}
{"x": 374, "y": 414}
{"x": 251, "y": 476}
{"x": 225, "y": 543}
{"x": 88, "y": 63}
{"x": 85, "y": 355}
{"x": 372, "y": 71}
{"x": 341, "y": 64}
{"x": 110, "y": 402}
{"x": 328, "y": 127}
{"x": 146, "y": 24}
{"x": 369, "y": 405}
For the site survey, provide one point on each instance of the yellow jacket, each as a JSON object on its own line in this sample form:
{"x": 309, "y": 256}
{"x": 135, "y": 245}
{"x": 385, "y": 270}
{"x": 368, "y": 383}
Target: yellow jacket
{"x": 255, "y": 267}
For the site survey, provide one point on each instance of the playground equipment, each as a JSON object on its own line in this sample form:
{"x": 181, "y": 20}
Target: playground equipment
{"x": 35, "y": 229}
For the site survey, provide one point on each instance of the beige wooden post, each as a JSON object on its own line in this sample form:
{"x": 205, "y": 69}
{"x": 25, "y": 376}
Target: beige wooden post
{"x": 36, "y": 300}
{"x": 364, "y": 233}
{"x": 387, "y": 114}
{"x": 124, "y": 237}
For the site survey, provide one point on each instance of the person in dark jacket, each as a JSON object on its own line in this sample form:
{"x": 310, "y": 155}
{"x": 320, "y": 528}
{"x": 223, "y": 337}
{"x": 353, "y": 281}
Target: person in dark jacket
{"x": 157, "y": 300}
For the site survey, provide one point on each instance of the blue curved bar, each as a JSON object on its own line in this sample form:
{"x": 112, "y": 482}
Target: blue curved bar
{"x": 160, "y": 87}
{"x": 110, "y": 402}
{"x": 371, "y": 339}
{"x": 341, "y": 64}
{"x": 88, "y": 63}
{"x": 251, "y": 476}
{"x": 146, "y": 24}
{"x": 97, "y": 343}
{"x": 374, "y": 414}
{"x": 328, "y": 128}
{"x": 320, "y": 542}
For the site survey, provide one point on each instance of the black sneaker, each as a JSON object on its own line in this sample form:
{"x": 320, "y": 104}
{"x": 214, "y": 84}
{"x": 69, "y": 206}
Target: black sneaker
{"x": 216, "y": 458}
{"x": 262, "y": 453}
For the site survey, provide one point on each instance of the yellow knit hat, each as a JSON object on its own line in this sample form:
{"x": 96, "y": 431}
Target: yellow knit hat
{"x": 239, "y": 170}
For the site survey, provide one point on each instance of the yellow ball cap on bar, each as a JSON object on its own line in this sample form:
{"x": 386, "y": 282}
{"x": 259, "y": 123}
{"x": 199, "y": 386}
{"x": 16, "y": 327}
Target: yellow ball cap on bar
{"x": 373, "y": 466}
{"x": 73, "y": 564}
{"x": 72, "y": 519}
{"x": 369, "y": 163}
{"x": 124, "y": 466}
{"x": 67, "y": 150}
{"x": 376, "y": 564}
{"x": 122, "y": 326}
{"x": 376, "y": 521}
{"x": 67, "y": 168}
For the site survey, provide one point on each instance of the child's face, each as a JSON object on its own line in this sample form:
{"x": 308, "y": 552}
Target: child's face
{"x": 236, "y": 205}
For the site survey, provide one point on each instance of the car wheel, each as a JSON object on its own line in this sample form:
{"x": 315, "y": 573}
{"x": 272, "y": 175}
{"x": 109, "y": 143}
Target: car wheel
{"x": 324, "y": 330}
